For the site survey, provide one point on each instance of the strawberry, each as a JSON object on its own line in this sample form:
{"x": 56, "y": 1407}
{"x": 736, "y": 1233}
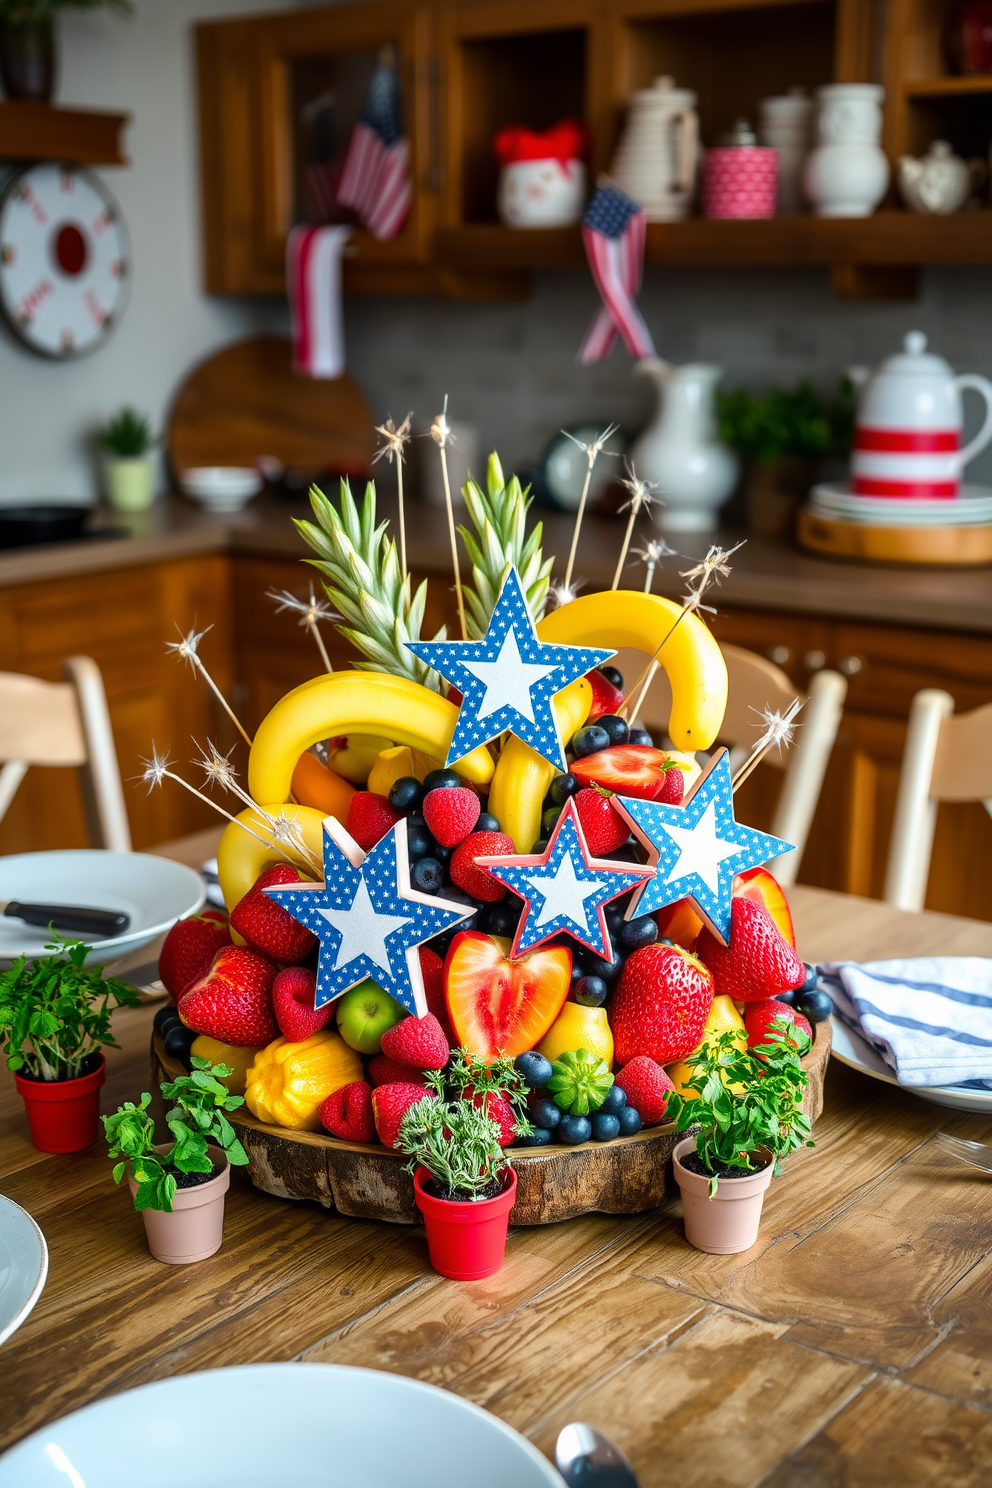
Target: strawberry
{"x": 672, "y": 787}
{"x": 419, "y": 1042}
{"x": 647, "y": 1087}
{"x": 498, "y": 1108}
{"x": 661, "y": 1004}
{"x": 498, "y": 1005}
{"x": 265, "y": 925}
{"x": 385, "y": 1071}
{"x": 432, "y": 971}
{"x": 606, "y": 699}
{"x": 370, "y": 818}
{"x": 759, "y": 1016}
{"x": 232, "y": 1001}
{"x": 451, "y": 814}
{"x": 604, "y": 830}
{"x": 189, "y": 948}
{"x": 347, "y": 1113}
{"x": 477, "y": 881}
{"x": 630, "y": 770}
{"x": 389, "y": 1104}
{"x": 292, "y": 1002}
{"x": 758, "y": 963}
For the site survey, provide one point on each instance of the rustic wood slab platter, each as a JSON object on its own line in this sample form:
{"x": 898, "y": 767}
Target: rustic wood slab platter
{"x": 554, "y": 1183}
{"x": 968, "y": 547}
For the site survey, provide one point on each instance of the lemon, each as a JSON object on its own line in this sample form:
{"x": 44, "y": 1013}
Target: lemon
{"x": 238, "y": 1059}
{"x": 723, "y": 1016}
{"x": 579, "y": 1027}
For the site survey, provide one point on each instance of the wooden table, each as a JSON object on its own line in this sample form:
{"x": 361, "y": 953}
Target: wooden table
{"x": 851, "y": 1348}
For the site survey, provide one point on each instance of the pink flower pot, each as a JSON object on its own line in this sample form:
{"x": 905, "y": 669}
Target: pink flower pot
{"x": 727, "y": 1223}
{"x": 63, "y": 1115}
{"x": 195, "y": 1227}
{"x": 467, "y": 1241}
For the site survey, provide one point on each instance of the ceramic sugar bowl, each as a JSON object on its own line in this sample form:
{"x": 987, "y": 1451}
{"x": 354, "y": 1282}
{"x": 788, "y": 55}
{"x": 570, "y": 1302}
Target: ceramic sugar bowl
{"x": 939, "y": 181}
{"x": 907, "y": 442}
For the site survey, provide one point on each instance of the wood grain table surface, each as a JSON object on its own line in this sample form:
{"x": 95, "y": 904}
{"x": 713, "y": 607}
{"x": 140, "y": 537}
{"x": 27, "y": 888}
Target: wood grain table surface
{"x": 850, "y": 1348}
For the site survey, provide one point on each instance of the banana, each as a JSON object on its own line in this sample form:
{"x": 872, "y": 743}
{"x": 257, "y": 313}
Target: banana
{"x": 522, "y": 776}
{"x": 241, "y": 857}
{"x": 696, "y": 669}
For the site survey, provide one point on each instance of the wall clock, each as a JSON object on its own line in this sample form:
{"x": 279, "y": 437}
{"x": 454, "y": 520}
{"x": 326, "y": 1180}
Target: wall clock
{"x": 64, "y": 260}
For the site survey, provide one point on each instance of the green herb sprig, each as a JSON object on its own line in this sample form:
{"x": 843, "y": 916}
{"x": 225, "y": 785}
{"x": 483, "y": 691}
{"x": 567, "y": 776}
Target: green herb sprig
{"x": 455, "y": 1141}
{"x": 787, "y": 421}
{"x": 55, "y": 1011}
{"x": 747, "y": 1099}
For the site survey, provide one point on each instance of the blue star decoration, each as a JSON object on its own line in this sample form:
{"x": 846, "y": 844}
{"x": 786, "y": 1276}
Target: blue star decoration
{"x": 368, "y": 919}
{"x": 697, "y": 848}
{"x": 564, "y": 888}
{"x": 508, "y": 680}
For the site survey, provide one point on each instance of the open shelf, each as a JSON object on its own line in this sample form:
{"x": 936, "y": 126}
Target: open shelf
{"x": 38, "y": 131}
{"x": 948, "y": 87}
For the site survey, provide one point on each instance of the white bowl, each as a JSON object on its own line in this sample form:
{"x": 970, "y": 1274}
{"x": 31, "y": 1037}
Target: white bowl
{"x": 221, "y": 487}
{"x": 154, "y": 892}
{"x": 23, "y": 1265}
{"x": 279, "y": 1426}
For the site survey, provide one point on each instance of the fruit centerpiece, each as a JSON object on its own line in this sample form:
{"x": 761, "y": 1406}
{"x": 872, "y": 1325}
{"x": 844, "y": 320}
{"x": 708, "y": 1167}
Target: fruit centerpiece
{"x": 462, "y": 866}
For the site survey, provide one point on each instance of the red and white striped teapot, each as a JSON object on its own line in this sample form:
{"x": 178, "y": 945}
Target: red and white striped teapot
{"x": 907, "y": 442}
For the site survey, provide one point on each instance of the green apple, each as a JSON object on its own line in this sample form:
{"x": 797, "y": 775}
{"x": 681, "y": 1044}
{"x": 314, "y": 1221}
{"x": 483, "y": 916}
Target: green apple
{"x": 364, "y": 1014}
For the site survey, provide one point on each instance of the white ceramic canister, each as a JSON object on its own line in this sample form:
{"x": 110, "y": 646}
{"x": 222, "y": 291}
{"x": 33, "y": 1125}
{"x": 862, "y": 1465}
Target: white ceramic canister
{"x": 657, "y": 158}
{"x": 907, "y": 442}
{"x": 784, "y": 124}
{"x": 847, "y": 174}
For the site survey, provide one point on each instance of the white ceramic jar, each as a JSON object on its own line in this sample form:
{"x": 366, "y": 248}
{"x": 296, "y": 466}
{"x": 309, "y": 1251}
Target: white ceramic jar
{"x": 541, "y": 193}
{"x": 784, "y": 124}
{"x": 847, "y": 174}
{"x": 658, "y": 155}
{"x": 680, "y": 450}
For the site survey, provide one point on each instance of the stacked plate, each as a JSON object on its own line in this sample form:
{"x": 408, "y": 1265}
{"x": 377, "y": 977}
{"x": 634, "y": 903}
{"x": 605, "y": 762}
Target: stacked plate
{"x": 837, "y": 503}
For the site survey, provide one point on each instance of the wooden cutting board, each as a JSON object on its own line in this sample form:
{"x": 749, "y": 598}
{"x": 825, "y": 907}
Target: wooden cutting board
{"x": 246, "y": 401}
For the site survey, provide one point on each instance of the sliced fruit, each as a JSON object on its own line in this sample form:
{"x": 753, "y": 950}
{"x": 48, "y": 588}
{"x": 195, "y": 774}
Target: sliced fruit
{"x": 723, "y": 1016}
{"x": 680, "y": 923}
{"x": 578, "y": 1027}
{"x": 606, "y": 699}
{"x": 317, "y": 786}
{"x": 498, "y": 1005}
{"x": 628, "y": 769}
{"x": 758, "y": 884}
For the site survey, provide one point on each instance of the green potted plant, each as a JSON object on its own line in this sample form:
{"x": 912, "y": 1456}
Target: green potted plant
{"x": 178, "y": 1187}
{"x": 749, "y": 1114}
{"x": 54, "y": 1022}
{"x": 27, "y": 43}
{"x": 463, "y": 1183}
{"x": 127, "y": 441}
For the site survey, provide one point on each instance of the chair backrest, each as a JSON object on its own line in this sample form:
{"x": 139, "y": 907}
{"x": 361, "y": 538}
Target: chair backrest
{"x": 754, "y": 684}
{"x": 946, "y": 758}
{"x": 65, "y": 723}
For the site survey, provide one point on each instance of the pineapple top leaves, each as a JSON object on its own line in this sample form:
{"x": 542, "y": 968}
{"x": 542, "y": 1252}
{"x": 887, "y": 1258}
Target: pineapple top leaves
{"x": 362, "y": 578}
{"x": 500, "y": 542}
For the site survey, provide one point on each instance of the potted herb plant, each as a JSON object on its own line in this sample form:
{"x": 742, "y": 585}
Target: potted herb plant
{"x": 178, "y": 1187}
{"x": 463, "y": 1183}
{"x": 749, "y": 1114}
{"x": 27, "y": 43}
{"x": 127, "y": 441}
{"x": 54, "y": 1021}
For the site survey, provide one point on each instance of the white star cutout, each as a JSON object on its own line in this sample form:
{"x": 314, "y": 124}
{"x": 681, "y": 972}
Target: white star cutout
{"x": 508, "y": 680}
{"x": 564, "y": 892}
{"x": 701, "y": 850}
{"x": 363, "y": 931}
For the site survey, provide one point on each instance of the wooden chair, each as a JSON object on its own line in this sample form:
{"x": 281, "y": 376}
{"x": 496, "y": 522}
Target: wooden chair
{"x": 946, "y": 758}
{"x": 754, "y": 684}
{"x": 65, "y": 723}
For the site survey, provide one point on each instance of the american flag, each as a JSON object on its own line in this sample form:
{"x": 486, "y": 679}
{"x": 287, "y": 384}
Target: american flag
{"x": 613, "y": 232}
{"x": 375, "y": 177}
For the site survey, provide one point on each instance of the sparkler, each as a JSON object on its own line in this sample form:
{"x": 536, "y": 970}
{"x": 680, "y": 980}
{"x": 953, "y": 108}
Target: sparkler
{"x": 285, "y": 831}
{"x": 778, "y": 733}
{"x": 395, "y": 439}
{"x": 651, "y": 555}
{"x": 563, "y": 594}
{"x": 159, "y": 768}
{"x": 442, "y": 437}
{"x": 311, "y": 611}
{"x": 592, "y": 453}
{"x": 640, "y": 496}
{"x": 186, "y": 648}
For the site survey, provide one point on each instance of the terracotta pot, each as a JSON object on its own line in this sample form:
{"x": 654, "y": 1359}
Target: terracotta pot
{"x": 63, "y": 1115}
{"x": 467, "y": 1241}
{"x": 27, "y": 58}
{"x": 727, "y": 1223}
{"x": 195, "y": 1228}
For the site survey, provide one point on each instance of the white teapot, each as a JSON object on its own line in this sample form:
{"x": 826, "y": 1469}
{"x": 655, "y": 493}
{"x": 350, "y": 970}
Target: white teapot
{"x": 907, "y": 442}
{"x": 938, "y": 181}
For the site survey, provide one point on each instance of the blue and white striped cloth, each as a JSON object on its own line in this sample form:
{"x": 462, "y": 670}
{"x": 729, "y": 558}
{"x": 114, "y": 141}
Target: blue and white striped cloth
{"x": 930, "y": 1018}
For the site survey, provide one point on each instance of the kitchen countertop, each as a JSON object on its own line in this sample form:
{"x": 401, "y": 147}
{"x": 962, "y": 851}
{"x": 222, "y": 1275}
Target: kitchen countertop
{"x": 767, "y": 574}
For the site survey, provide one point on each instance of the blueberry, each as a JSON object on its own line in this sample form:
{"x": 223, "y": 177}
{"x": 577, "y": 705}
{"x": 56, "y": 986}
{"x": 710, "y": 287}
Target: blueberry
{"x": 486, "y": 823}
{"x": 166, "y": 1018}
{"x": 443, "y": 854}
{"x": 503, "y": 917}
{"x": 625, "y": 854}
{"x": 613, "y": 1102}
{"x": 642, "y": 931}
{"x": 608, "y": 970}
{"x": 640, "y": 736}
{"x": 612, "y": 675}
{"x": 539, "y": 1137}
{"x": 562, "y": 787}
{"x": 590, "y": 991}
{"x": 416, "y": 820}
{"x": 177, "y": 1042}
{"x": 549, "y": 819}
{"x": 459, "y": 896}
{"x": 816, "y": 1006}
{"x": 590, "y": 740}
{"x": 604, "y": 1127}
{"x": 546, "y": 1114}
{"x": 406, "y": 793}
{"x": 535, "y": 1069}
{"x": 614, "y": 917}
{"x": 420, "y": 842}
{"x": 440, "y": 780}
{"x": 615, "y": 726}
{"x": 573, "y": 1130}
{"x": 788, "y": 998}
{"x": 809, "y": 985}
{"x": 427, "y": 876}
{"x": 630, "y": 1121}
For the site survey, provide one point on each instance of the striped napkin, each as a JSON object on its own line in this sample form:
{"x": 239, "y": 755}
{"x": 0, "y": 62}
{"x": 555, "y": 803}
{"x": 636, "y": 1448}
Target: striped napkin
{"x": 930, "y": 1018}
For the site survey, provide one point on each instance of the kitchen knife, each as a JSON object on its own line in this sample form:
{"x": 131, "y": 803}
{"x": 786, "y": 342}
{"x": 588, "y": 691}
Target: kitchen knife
{"x": 104, "y": 923}
{"x": 588, "y": 1459}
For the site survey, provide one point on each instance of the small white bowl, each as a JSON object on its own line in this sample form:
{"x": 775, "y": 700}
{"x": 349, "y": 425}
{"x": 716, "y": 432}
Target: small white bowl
{"x": 221, "y": 488}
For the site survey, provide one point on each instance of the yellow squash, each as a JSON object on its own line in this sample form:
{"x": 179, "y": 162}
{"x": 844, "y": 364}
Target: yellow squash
{"x": 237, "y": 1059}
{"x": 288, "y": 1081}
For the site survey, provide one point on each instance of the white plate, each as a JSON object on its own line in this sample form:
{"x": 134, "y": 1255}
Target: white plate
{"x": 23, "y": 1265}
{"x": 154, "y": 892}
{"x": 973, "y": 507}
{"x": 279, "y": 1426}
{"x": 851, "y": 1049}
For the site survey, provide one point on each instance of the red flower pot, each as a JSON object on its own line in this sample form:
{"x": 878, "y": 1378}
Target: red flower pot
{"x": 467, "y": 1241}
{"x": 64, "y": 1115}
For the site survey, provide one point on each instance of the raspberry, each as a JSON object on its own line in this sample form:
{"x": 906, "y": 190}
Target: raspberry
{"x": 432, "y": 971}
{"x": 419, "y": 1042}
{"x": 602, "y": 827}
{"x": 646, "y": 1087}
{"x": 370, "y": 818}
{"x": 389, "y": 1105}
{"x": 347, "y": 1113}
{"x": 385, "y": 1071}
{"x": 477, "y": 881}
{"x": 451, "y": 814}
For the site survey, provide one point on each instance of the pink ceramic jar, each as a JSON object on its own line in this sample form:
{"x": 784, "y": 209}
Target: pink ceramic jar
{"x": 740, "y": 177}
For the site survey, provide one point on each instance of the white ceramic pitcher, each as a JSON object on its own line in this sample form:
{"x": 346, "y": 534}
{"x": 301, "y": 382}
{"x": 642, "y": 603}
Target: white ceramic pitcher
{"x": 658, "y": 154}
{"x": 680, "y": 450}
